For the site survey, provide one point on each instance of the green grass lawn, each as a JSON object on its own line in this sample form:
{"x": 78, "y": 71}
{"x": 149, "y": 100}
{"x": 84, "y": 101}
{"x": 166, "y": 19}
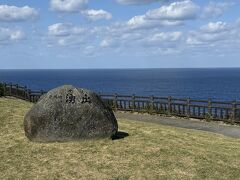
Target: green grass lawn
{"x": 150, "y": 151}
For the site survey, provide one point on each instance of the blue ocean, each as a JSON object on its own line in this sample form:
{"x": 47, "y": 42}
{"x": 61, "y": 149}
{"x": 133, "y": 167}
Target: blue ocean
{"x": 218, "y": 83}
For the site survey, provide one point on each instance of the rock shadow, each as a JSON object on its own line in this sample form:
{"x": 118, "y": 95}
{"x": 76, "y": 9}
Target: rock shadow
{"x": 120, "y": 135}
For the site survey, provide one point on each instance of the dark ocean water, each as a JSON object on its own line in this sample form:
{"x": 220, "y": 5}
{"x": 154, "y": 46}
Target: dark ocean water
{"x": 221, "y": 84}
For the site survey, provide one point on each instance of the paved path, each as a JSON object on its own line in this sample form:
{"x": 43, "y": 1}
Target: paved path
{"x": 215, "y": 127}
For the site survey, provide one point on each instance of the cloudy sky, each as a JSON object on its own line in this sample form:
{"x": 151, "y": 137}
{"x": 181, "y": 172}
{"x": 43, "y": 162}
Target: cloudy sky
{"x": 77, "y": 34}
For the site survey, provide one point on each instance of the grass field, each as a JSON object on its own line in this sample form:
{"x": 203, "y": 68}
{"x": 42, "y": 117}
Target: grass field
{"x": 149, "y": 152}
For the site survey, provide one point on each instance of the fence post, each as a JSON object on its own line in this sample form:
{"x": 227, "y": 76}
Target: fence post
{"x": 234, "y": 108}
{"x": 151, "y": 104}
{"x": 4, "y": 89}
{"x": 115, "y": 101}
{"x": 25, "y": 92}
{"x": 169, "y": 105}
{"x": 10, "y": 89}
{"x": 29, "y": 95}
{"x": 1, "y": 89}
{"x": 188, "y": 107}
{"x": 133, "y": 102}
{"x": 16, "y": 89}
{"x": 210, "y": 107}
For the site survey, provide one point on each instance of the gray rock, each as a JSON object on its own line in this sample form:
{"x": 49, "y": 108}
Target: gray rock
{"x": 68, "y": 113}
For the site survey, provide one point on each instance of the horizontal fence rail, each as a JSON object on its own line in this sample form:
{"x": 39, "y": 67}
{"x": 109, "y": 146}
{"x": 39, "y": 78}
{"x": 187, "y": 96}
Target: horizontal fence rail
{"x": 227, "y": 111}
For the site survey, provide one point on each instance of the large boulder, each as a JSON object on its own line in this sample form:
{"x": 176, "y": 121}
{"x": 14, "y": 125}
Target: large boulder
{"x": 68, "y": 113}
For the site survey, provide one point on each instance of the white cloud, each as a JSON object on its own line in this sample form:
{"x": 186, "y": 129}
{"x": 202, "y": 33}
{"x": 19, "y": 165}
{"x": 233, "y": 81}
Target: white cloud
{"x": 79, "y": 6}
{"x": 214, "y": 39}
{"x": 67, "y": 34}
{"x": 13, "y": 13}
{"x": 8, "y": 35}
{"x": 123, "y": 37}
{"x": 80, "y": 40}
{"x": 140, "y": 21}
{"x": 214, "y": 27}
{"x": 64, "y": 29}
{"x": 143, "y": 22}
{"x": 105, "y": 43}
{"x": 182, "y": 10}
{"x": 152, "y": 33}
{"x": 68, "y": 6}
{"x": 165, "y": 51}
{"x": 215, "y": 9}
{"x": 165, "y": 37}
{"x": 96, "y": 14}
{"x": 212, "y": 33}
{"x": 213, "y": 36}
{"x": 163, "y": 40}
{"x": 128, "y": 2}
{"x": 173, "y": 14}
{"x": 142, "y": 31}
{"x": 197, "y": 38}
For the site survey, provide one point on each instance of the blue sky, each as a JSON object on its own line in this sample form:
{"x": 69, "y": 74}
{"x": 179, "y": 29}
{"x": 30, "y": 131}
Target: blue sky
{"x": 78, "y": 34}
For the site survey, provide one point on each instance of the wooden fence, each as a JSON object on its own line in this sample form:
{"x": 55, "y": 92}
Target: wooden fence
{"x": 203, "y": 109}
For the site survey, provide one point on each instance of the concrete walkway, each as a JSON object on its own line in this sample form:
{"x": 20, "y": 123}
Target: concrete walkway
{"x": 215, "y": 127}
